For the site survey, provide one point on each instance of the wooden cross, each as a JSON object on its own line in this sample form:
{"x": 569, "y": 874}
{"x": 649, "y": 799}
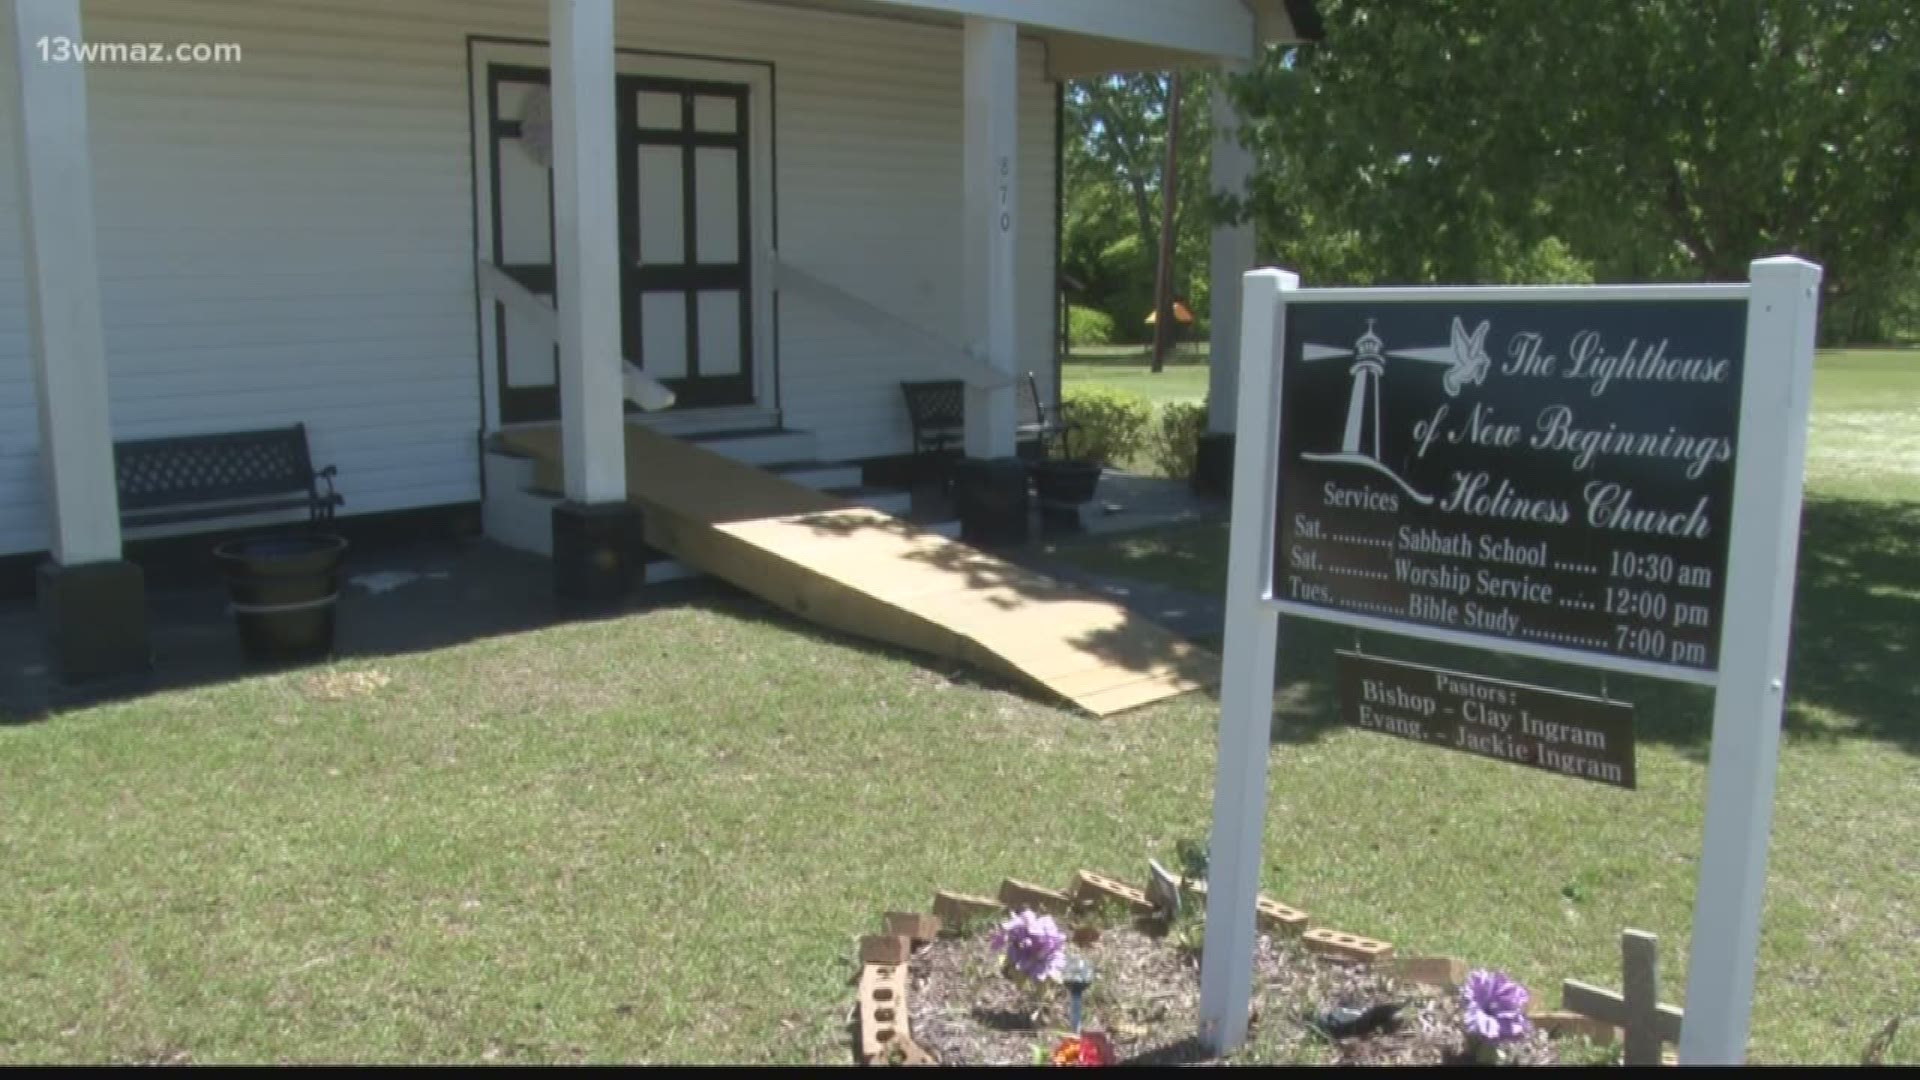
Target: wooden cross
{"x": 1638, "y": 1012}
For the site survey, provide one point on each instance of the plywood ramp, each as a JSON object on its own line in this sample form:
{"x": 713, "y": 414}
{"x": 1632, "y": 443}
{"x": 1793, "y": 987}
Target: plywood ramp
{"x": 872, "y": 575}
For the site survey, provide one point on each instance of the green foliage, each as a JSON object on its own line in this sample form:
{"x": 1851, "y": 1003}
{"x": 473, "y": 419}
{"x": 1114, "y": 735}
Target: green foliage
{"x": 1580, "y": 1050}
{"x": 1428, "y": 141}
{"x": 1115, "y": 158}
{"x": 1173, "y": 440}
{"x": 1192, "y": 856}
{"x": 1088, "y": 327}
{"x": 1460, "y": 141}
{"x": 1189, "y": 931}
{"x": 1106, "y": 914}
{"x": 1107, "y": 426}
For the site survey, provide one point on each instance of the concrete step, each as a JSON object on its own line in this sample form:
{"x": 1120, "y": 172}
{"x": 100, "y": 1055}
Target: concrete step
{"x": 522, "y": 520}
{"x": 506, "y": 472}
{"x": 818, "y": 475}
{"x": 762, "y": 446}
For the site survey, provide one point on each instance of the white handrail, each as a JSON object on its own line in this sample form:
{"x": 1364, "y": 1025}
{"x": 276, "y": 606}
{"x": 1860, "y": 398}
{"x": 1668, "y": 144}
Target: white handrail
{"x": 930, "y": 349}
{"x": 497, "y": 285}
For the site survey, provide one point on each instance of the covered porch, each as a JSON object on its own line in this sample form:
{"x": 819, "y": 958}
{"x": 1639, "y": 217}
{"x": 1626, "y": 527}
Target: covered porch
{"x": 799, "y": 248}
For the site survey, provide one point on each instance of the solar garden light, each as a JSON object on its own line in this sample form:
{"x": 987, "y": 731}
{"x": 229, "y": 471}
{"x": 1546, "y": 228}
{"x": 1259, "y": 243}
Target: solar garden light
{"x": 1076, "y": 976}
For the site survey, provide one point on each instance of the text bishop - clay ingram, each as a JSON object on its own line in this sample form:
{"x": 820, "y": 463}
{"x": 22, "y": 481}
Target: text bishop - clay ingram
{"x": 1553, "y": 474}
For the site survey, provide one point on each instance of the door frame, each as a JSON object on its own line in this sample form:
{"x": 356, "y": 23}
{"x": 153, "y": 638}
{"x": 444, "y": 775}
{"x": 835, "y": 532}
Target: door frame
{"x": 761, "y": 238}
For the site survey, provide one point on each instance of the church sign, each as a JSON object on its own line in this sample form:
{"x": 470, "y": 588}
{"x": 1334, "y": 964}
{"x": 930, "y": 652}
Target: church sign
{"x": 1553, "y": 478}
{"x": 1605, "y": 476}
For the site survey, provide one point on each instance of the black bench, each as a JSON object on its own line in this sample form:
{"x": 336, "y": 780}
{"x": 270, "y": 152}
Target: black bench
{"x": 222, "y": 474}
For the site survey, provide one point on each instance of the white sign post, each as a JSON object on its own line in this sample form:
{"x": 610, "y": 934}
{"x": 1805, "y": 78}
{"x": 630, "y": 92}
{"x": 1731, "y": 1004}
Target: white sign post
{"x": 1246, "y": 674}
{"x": 1775, "y": 390}
{"x": 1749, "y": 679}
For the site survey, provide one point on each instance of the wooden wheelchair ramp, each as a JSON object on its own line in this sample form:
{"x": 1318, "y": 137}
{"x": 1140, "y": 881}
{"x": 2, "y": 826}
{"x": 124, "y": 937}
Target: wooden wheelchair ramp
{"x": 872, "y": 575}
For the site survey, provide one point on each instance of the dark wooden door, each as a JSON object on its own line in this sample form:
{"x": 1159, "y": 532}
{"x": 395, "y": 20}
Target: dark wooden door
{"x": 686, "y": 266}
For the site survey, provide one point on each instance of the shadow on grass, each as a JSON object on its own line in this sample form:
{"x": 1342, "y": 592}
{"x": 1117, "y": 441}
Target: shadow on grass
{"x": 396, "y": 599}
{"x": 445, "y": 594}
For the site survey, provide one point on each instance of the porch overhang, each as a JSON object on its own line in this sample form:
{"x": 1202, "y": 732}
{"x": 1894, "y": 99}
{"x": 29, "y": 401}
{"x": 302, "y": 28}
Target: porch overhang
{"x": 1098, "y": 37}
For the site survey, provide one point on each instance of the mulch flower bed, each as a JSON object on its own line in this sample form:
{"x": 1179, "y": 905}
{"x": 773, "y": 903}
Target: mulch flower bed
{"x": 965, "y": 1009}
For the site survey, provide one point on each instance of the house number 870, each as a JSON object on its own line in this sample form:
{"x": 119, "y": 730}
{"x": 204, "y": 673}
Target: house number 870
{"x": 1006, "y": 214}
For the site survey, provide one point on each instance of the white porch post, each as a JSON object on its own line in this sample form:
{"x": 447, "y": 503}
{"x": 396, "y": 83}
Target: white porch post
{"x": 63, "y": 287}
{"x": 586, "y": 253}
{"x": 1232, "y": 256}
{"x": 92, "y": 602}
{"x": 991, "y": 82}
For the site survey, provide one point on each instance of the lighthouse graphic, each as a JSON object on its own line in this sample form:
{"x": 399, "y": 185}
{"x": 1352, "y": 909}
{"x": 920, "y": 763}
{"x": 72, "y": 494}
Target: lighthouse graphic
{"x": 1466, "y": 361}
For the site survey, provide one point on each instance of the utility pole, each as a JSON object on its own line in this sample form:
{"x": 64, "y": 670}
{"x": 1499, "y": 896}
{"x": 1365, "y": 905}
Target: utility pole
{"x": 1163, "y": 322}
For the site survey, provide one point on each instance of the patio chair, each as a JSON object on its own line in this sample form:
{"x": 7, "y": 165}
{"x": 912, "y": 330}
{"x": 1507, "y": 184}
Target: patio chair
{"x": 1037, "y": 430}
{"x": 936, "y": 410}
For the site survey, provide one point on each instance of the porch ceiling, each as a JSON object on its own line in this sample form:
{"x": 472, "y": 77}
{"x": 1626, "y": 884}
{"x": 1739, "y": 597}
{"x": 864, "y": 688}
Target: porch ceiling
{"x": 1095, "y": 37}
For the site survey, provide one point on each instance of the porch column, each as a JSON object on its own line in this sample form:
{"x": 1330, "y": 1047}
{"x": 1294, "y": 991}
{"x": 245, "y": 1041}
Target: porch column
{"x": 991, "y": 488}
{"x": 1232, "y": 256}
{"x": 591, "y": 529}
{"x": 93, "y": 601}
{"x": 992, "y": 84}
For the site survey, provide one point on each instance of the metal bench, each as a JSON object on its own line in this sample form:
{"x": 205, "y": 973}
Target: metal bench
{"x": 183, "y": 478}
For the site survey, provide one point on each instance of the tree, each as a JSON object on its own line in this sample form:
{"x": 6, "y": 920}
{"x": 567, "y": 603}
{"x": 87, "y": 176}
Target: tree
{"x": 1466, "y": 140}
{"x": 1115, "y": 142}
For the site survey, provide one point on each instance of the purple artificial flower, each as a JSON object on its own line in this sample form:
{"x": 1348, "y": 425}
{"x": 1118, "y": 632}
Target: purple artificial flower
{"x": 1034, "y": 944}
{"x": 1496, "y": 1007}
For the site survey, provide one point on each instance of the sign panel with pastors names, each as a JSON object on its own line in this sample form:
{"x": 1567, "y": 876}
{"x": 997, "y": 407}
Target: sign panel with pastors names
{"x": 1553, "y": 473}
{"x": 1571, "y": 734}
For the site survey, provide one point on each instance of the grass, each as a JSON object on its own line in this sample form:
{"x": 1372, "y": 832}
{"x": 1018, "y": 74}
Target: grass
{"x": 598, "y": 842}
{"x": 1865, "y": 432}
{"x": 1126, "y": 368}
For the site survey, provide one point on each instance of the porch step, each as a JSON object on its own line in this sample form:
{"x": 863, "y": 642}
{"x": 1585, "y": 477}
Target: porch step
{"x": 818, "y": 475}
{"x": 759, "y": 446}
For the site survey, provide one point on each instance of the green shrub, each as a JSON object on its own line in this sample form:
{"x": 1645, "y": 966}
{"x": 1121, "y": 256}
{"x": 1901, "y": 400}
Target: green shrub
{"x": 1108, "y": 426}
{"x": 1087, "y": 326}
{"x": 1174, "y": 438}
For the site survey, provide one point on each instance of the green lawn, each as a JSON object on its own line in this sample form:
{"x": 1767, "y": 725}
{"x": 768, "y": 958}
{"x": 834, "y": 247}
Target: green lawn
{"x": 599, "y": 842}
{"x": 1126, "y": 368}
{"x": 1865, "y": 439}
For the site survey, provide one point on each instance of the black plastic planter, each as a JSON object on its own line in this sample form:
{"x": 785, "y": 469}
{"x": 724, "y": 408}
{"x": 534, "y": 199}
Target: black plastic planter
{"x": 284, "y": 590}
{"x": 1062, "y": 488}
{"x": 1064, "y": 485}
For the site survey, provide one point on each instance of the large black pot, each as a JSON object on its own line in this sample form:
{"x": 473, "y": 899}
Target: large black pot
{"x": 284, "y": 590}
{"x": 1064, "y": 485}
{"x": 1062, "y": 488}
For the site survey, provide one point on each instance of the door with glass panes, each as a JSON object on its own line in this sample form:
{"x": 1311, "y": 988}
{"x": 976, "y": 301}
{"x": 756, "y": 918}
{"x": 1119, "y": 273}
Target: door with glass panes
{"x": 685, "y": 220}
{"x": 685, "y": 278}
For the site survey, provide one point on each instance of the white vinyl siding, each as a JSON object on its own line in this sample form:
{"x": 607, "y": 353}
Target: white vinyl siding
{"x": 290, "y": 238}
